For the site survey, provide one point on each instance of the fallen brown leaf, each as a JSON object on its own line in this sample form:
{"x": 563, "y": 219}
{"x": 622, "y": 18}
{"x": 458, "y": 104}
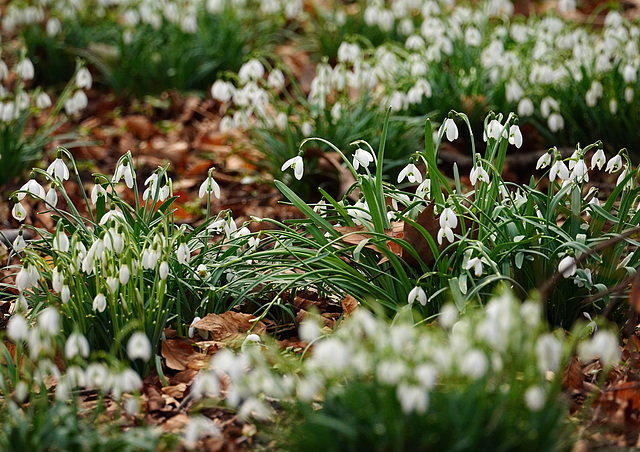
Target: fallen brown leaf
{"x": 229, "y": 325}
{"x": 179, "y": 354}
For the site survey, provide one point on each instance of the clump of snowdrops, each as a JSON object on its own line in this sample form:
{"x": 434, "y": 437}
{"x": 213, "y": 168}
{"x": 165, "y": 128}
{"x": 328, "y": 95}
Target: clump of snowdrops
{"x": 115, "y": 268}
{"x": 20, "y": 103}
{"x": 488, "y": 379}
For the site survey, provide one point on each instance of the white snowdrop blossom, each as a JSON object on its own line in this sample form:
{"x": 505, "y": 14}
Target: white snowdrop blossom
{"x": 183, "y": 253}
{"x": 209, "y": 186}
{"x": 417, "y": 293}
{"x": 51, "y": 197}
{"x": 362, "y": 157}
{"x": 99, "y": 303}
{"x": 43, "y": 101}
{"x": 97, "y": 190}
{"x": 83, "y": 78}
{"x": 567, "y": 266}
{"x": 58, "y": 169}
{"x": 614, "y": 164}
{"x": 17, "y": 328}
{"x": 555, "y": 122}
{"x": 580, "y": 172}
{"x": 18, "y": 212}
{"x": 124, "y": 274}
{"x": 515, "y": 136}
{"x": 535, "y": 398}
{"x": 598, "y": 159}
{"x": 474, "y": 364}
{"x": 412, "y": 398}
{"x": 525, "y": 107}
{"x": 411, "y": 172}
{"x": 202, "y": 271}
{"x": 197, "y": 428}
{"x": 222, "y": 91}
{"x": 544, "y": 161}
{"x": 476, "y": 264}
{"x": 49, "y": 321}
{"x": 252, "y": 70}
{"x": 139, "y": 347}
{"x": 451, "y": 129}
{"x": 124, "y": 170}
{"x": 448, "y": 222}
{"x": 560, "y": 170}
{"x": 25, "y": 69}
{"x": 548, "y": 353}
{"x": 603, "y": 345}
{"x": 76, "y": 345}
{"x": 297, "y": 164}
{"x": 19, "y": 243}
{"x": 33, "y": 188}
{"x": 478, "y": 173}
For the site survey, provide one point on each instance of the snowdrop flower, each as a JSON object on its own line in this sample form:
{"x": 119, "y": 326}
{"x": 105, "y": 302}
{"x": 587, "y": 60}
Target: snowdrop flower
{"x": 306, "y": 129}
{"x": 139, "y": 347}
{"x": 603, "y": 345}
{"x": 451, "y": 129}
{"x": 83, "y": 78}
{"x": 580, "y": 172}
{"x": 163, "y": 271}
{"x": 25, "y": 69}
{"x": 598, "y": 159}
{"x": 251, "y": 70}
{"x": 297, "y": 165}
{"x": 19, "y": 243}
{"x": 197, "y": 428}
{"x": 424, "y": 189}
{"x": 411, "y": 172}
{"x": 493, "y": 130}
{"x": 113, "y": 213}
{"x": 555, "y": 122}
{"x": 65, "y": 294}
{"x": 51, "y": 197}
{"x": 448, "y": 222}
{"x": 57, "y": 279}
{"x": 567, "y": 266}
{"x": 412, "y": 398}
{"x": 276, "y": 79}
{"x": 58, "y": 169}
{"x": 33, "y": 188}
{"x": 124, "y": 274}
{"x": 222, "y": 91}
{"x": 99, "y": 303}
{"x": 623, "y": 176}
{"x": 43, "y": 101}
{"x": 26, "y": 277}
{"x": 544, "y": 160}
{"x": 478, "y": 173}
{"x": 183, "y": 253}
{"x": 558, "y": 169}
{"x": 209, "y": 186}
{"x": 614, "y": 164}
{"x": 60, "y": 242}
{"x": 49, "y": 321}
{"x": 17, "y": 329}
{"x": 476, "y": 264}
{"x": 202, "y": 271}
{"x": 124, "y": 170}
{"x": 525, "y": 107}
{"x": 76, "y": 103}
{"x": 417, "y": 293}
{"x": 361, "y": 157}
{"x": 548, "y": 353}
{"x": 76, "y": 345}
{"x": 96, "y": 191}
{"x": 535, "y": 398}
{"x": 448, "y": 316}
{"x": 18, "y": 212}
{"x": 515, "y": 136}
{"x": 473, "y": 364}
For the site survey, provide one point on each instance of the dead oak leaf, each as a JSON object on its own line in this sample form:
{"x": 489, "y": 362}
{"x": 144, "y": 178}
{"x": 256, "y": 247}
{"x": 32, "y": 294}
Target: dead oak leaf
{"x": 229, "y": 325}
{"x": 179, "y": 354}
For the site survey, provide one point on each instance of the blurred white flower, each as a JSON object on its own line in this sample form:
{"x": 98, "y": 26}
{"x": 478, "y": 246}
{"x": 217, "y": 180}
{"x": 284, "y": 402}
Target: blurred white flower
{"x": 476, "y": 264}
{"x": 76, "y": 345}
{"x": 43, "y": 101}
{"x": 139, "y": 347}
{"x": 603, "y": 345}
{"x": 17, "y": 328}
{"x": 413, "y": 399}
{"x": 535, "y": 398}
{"x": 417, "y": 293}
{"x": 83, "y": 78}
{"x": 99, "y": 303}
{"x": 197, "y": 428}
{"x": 25, "y": 69}
{"x": 567, "y": 266}
{"x": 297, "y": 164}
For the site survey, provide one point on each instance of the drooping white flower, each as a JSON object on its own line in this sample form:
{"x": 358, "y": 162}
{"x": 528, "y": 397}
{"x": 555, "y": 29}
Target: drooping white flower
{"x": 297, "y": 164}
{"x": 361, "y": 157}
{"x": 614, "y": 164}
{"x": 17, "y": 328}
{"x": 567, "y": 266}
{"x": 25, "y": 69}
{"x": 558, "y": 169}
{"x": 76, "y": 345}
{"x": 580, "y": 172}
{"x": 476, "y": 264}
{"x": 58, "y": 170}
{"x": 99, "y": 303}
{"x": 598, "y": 159}
{"x": 412, "y": 398}
{"x": 478, "y": 173}
{"x": 451, "y": 129}
{"x": 96, "y": 191}
{"x": 209, "y": 186}
{"x": 183, "y": 253}
{"x": 515, "y": 136}
{"x": 163, "y": 271}
{"x": 49, "y": 321}
{"x": 603, "y": 345}
{"x": 60, "y": 242}
{"x": 202, "y": 271}
{"x": 411, "y": 172}
{"x": 124, "y": 170}
{"x": 43, "y": 101}
{"x": 535, "y": 398}
{"x": 83, "y": 78}
{"x": 33, "y": 188}
{"x": 555, "y": 122}
{"x": 424, "y": 189}
{"x": 548, "y": 353}
{"x": 222, "y": 91}
{"x": 124, "y": 274}
{"x": 18, "y": 212}
{"x": 544, "y": 161}
{"x": 51, "y": 197}
{"x": 65, "y": 294}
{"x": 19, "y": 243}
{"x": 139, "y": 347}
{"x": 417, "y": 293}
